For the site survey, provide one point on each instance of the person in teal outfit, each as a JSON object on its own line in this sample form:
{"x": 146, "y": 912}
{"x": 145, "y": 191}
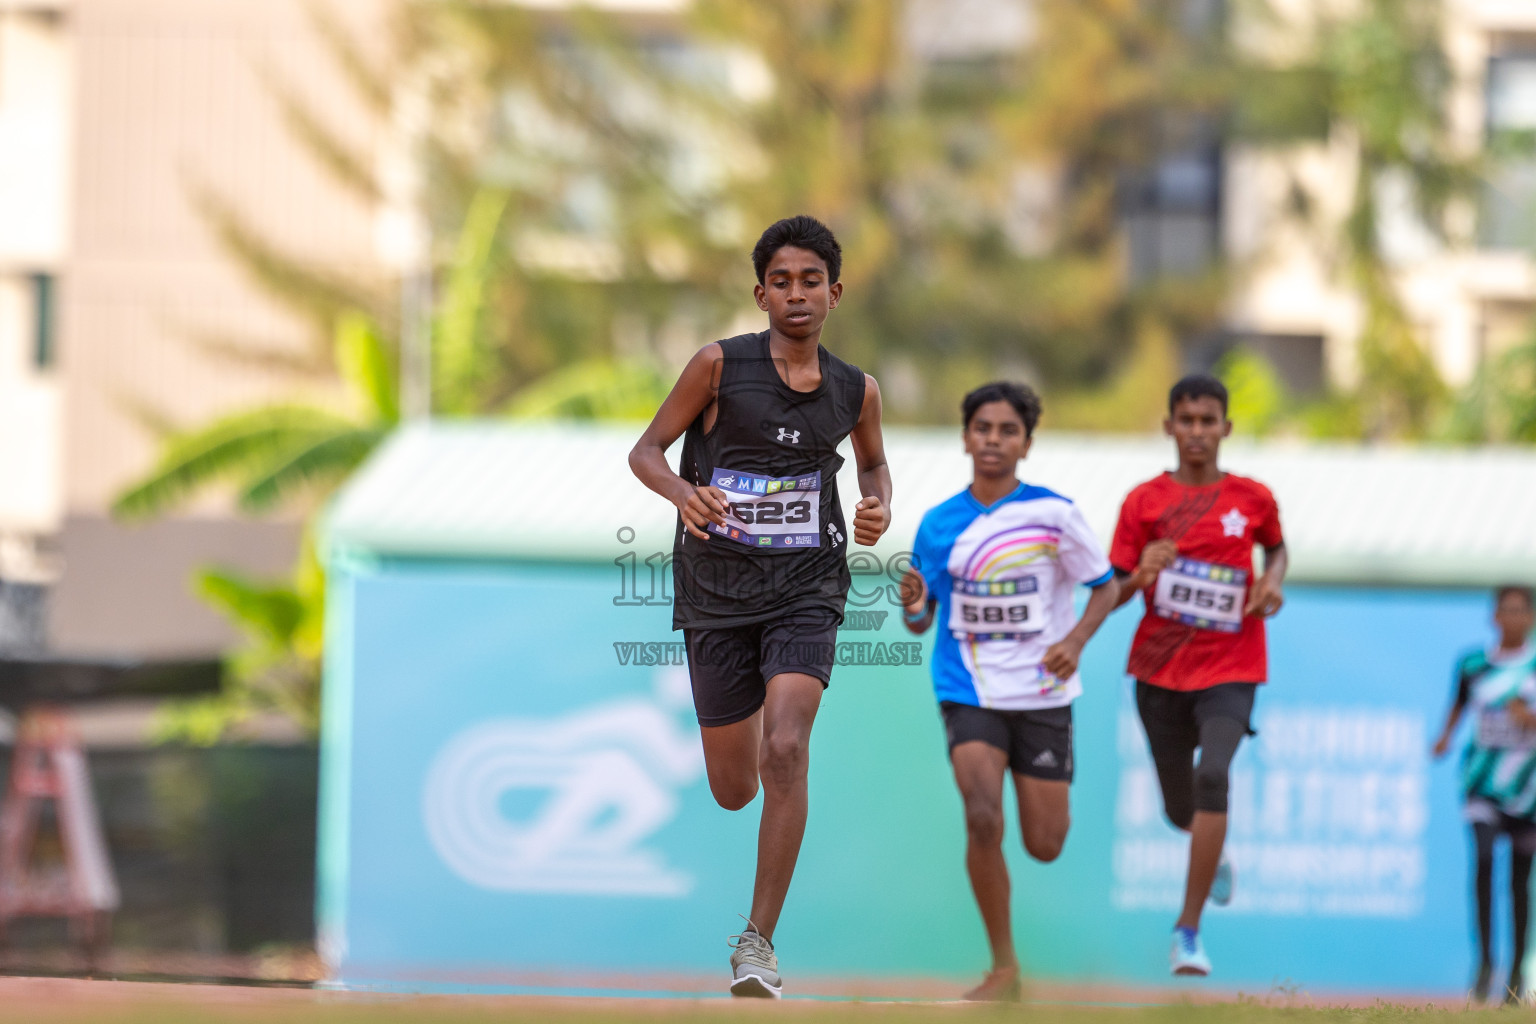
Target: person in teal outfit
{"x": 1497, "y": 687}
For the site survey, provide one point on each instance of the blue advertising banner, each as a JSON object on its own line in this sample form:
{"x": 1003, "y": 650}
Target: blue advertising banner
{"x": 514, "y": 784}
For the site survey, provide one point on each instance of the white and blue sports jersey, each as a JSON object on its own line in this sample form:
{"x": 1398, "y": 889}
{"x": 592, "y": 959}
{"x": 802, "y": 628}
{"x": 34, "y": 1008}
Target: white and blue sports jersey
{"x": 1003, "y": 575}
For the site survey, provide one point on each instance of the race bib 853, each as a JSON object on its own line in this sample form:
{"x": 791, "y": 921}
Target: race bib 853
{"x": 770, "y": 511}
{"x": 1202, "y": 594}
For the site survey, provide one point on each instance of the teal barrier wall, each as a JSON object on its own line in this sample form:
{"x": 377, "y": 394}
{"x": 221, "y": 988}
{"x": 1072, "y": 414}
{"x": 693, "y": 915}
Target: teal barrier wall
{"x": 511, "y": 784}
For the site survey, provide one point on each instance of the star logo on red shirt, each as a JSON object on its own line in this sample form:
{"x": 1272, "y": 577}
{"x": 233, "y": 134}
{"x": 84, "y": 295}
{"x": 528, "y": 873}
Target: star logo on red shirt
{"x": 1233, "y": 523}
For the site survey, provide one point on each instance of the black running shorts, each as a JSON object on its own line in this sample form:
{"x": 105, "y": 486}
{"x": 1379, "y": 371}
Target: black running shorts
{"x": 1038, "y": 743}
{"x": 1521, "y": 831}
{"x": 1174, "y": 718}
{"x": 730, "y": 668}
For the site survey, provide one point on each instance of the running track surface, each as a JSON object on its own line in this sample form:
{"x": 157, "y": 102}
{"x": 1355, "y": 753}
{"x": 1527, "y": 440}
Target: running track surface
{"x": 71, "y": 1000}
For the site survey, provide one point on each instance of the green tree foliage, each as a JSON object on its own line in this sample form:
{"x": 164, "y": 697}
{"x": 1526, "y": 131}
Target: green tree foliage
{"x": 917, "y": 165}
{"x": 271, "y": 456}
{"x": 1256, "y": 396}
{"x": 1377, "y": 76}
{"x": 594, "y": 183}
{"x": 1500, "y": 402}
{"x": 981, "y": 200}
{"x": 1391, "y": 83}
{"x": 561, "y": 177}
{"x": 276, "y": 670}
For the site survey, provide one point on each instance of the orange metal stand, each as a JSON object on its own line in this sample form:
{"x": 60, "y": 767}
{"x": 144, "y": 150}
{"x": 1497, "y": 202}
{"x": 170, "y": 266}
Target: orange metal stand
{"x": 49, "y": 764}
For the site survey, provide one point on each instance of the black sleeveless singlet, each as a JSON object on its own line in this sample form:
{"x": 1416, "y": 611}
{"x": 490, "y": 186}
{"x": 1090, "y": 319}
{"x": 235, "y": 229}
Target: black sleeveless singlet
{"x": 762, "y": 426}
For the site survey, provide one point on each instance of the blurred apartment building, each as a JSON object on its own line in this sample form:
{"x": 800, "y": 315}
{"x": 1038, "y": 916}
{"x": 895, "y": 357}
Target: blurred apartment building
{"x": 116, "y": 114}
{"x": 1470, "y": 302}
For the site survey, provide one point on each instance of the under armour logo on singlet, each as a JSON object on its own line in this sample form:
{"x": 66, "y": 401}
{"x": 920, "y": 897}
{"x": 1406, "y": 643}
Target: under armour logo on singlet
{"x": 792, "y": 436}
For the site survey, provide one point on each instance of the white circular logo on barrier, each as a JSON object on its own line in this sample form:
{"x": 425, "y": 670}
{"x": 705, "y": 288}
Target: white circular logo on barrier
{"x": 602, "y": 782}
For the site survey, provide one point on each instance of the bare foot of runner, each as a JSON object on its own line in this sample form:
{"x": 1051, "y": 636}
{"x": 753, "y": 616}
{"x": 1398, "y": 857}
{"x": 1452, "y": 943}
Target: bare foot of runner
{"x": 999, "y": 986}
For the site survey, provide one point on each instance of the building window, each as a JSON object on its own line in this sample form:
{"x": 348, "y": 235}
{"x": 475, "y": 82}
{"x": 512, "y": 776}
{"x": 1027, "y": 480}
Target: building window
{"x": 44, "y": 349}
{"x": 1297, "y": 359}
{"x": 1508, "y": 218}
{"x": 1172, "y": 214}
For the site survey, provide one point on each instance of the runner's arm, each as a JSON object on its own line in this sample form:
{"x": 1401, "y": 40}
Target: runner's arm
{"x": 916, "y": 604}
{"x": 872, "y": 515}
{"x": 1521, "y": 712}
{"x": 1061, "y": 660}
{"x": 1266, "y": 597}
{"x": 1155, "y": 557}
{"x": 1453, "y": 717}
{"x": 691, "y": 395}
{"x": 1128, "y": 587}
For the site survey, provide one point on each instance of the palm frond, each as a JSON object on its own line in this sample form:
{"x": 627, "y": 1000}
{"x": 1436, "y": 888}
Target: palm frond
{"x": 365, "y": 364}
{"x": 150, "y": 418}
{"x": 319, "y": 295}
{"x": 309, "y": 584}
{"x": 459, "y": 350}
{"x": 325, "y": 461}
{"x": 222, "y": 450}
{"x": 269, "y": 613}
{"x": 593, "y": 389}
{"x": 268, "y": 355}
{"x": 363, "y": 71}
{"x": 346, "y": 164}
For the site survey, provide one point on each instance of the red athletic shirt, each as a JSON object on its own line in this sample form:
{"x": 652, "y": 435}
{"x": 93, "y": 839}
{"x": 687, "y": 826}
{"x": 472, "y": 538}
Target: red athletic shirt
{"x": 1193, "y": 634}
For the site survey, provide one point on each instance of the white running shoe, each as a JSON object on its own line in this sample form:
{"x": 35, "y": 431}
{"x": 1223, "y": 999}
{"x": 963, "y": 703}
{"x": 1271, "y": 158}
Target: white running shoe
{"x": 754, "y": 967}
{"x": 1221, "y": 885}
{"x": 1187, "y": 956}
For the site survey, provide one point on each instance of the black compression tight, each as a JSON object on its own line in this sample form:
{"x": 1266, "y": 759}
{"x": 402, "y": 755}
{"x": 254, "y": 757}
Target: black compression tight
{"x": 1483, "y": 836}
{"x": 1189, "y": 786}
{"x": 1213, "y": 721}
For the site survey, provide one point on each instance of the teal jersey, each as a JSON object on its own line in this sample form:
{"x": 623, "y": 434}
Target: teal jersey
{"x": 1499, "y": 764}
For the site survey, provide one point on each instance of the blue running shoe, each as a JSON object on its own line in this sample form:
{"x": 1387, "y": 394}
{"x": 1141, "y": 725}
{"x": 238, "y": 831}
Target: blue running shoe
{"x": 1221, "y": 885}
{"x": 1187, "y": 956}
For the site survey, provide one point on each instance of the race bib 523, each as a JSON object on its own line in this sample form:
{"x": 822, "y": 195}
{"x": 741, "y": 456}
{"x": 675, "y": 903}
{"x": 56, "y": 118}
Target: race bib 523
{"x": 770, "y": 511}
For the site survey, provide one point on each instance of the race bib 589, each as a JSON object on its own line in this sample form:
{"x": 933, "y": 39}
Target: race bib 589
{"x": 770, "y": 511}
{"x": 996, "y": 609}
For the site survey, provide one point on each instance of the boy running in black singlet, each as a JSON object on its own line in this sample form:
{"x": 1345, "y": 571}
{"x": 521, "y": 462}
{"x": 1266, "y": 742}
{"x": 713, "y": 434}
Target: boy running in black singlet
{"x": 760, "y": 567}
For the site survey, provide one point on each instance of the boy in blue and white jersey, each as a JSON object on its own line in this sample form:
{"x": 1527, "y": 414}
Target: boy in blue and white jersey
{"x": 996, "y": 566}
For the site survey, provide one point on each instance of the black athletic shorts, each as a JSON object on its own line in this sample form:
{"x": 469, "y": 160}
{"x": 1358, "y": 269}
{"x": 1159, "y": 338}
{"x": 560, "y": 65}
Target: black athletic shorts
{"x": 1038, "y": 743}
{"x": 1177, "y": 715}
{"x": 1521, "y": 831}
{"x": 730, "y": 668}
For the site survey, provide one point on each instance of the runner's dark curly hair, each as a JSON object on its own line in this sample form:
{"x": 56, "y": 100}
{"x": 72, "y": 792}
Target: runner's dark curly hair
{"x": 803, "y": 233}
{"x": 1528, "y": 593}
{"x": 1198, "y": 385}
{"x": 1021, "y": 396}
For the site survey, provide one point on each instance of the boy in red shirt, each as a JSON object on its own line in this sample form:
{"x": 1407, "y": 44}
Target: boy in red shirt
{"x": 1185, "y": 539}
